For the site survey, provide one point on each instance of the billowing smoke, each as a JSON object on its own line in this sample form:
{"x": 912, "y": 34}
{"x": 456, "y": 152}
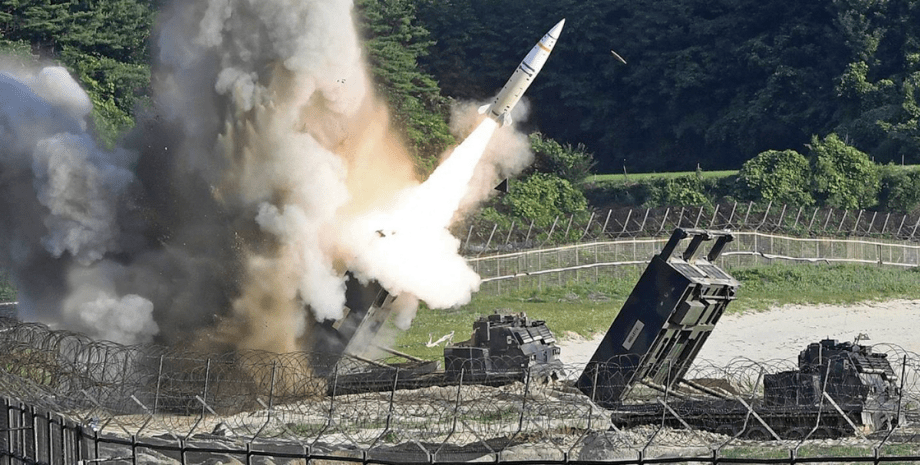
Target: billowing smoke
{"x": 264, "y": 170}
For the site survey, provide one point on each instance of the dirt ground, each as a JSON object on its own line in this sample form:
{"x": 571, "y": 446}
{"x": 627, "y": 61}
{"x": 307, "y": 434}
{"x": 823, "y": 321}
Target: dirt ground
{"x": 781, "y": 333}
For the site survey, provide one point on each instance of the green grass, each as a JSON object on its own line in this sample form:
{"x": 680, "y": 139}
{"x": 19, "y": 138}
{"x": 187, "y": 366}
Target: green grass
{"x": 587, "y": 308}
{"x": 641, "y": 177}
{"x": 818, "y": 451}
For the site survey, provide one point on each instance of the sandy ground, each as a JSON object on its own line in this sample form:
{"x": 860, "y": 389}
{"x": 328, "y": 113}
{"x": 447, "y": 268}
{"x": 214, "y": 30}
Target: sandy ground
{"x": 781, "y": 333}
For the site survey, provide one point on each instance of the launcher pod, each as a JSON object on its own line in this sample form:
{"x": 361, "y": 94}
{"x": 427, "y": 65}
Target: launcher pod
{"x": 665, "y": 321}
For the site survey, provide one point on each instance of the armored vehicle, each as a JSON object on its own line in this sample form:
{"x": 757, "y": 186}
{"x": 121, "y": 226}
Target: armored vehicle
{"x": 504, "y": 348}
{"x": 838, "y": 388}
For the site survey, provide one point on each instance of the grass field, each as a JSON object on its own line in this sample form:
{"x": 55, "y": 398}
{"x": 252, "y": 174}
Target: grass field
{"x": 588, "y": 309}
{"x": 644, "y": 177}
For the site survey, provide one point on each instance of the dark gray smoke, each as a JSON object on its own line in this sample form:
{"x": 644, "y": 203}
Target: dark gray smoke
{"x": 263, "y": 170}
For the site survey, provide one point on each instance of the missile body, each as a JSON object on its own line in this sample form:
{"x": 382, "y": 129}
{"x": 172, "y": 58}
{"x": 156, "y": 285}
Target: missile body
{"x": 500, "y": 109}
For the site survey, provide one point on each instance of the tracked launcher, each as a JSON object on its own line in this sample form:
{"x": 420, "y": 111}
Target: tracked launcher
{"x": 839, "y": 389}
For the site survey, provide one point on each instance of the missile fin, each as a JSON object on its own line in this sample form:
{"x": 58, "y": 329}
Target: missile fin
{"x": 483, "y": 109}
{"x": 505, "y": 119}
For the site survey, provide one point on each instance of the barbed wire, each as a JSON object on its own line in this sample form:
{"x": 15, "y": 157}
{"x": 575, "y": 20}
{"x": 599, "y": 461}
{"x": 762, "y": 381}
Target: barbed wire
{"x": 484, "y": 237}
{"x": 243, "y": 398}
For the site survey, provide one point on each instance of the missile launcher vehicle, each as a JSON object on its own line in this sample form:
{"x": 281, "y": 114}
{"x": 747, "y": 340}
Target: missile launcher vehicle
{"x": 838, "y": 389}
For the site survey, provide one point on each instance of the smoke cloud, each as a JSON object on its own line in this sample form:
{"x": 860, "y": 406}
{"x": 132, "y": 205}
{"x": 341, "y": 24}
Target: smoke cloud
{"x": 264, "y": 170}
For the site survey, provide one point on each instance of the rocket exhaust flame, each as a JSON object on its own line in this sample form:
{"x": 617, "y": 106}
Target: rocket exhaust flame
{"x": 230, "y": 214}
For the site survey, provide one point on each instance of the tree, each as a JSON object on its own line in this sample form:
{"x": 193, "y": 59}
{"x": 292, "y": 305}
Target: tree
{"x": 779, "y": 176}
{"x": 878, "y": 99}
{"x": 899, "y": 189}
{"x": 677, "y": 192}
{"x": 542, "y": 197}
{"x": 117, "y": 29}
{"x": 394, "y": 42}
{"x": 573, "y": 164}
{"x": 843, "y": 177}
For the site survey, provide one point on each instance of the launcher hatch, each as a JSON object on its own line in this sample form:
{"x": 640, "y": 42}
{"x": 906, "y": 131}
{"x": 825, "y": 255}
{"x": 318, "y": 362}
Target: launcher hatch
{"x": 666, "y": 319}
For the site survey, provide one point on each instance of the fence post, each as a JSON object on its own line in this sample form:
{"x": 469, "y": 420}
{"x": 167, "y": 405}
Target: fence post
{"x": 489, "y": 242}
{"x": 915, "y": 228}
{"x": 745, "y": 222}
{"x": 698, "y": 216}
{"x": 828, "y": 220}
{"x": 590, "y": 220}
{"x": 551, "y": 229}
{"x": 648, "y": 210}
{"x": 665, "y": 219}
{"x": 731, "y": 216}
{"x": 782, "y": 216}
{"x": 609, "y": 212}
{"x": 765, "y": 215}
{"x": 34, "y": 423}
{"x": 813, "y": 215}
{"x": 5, "y": 455}
{"x": 466, "y": 246}
{"x": 527, "y": 237}
{"x": 714, "y": 214}
{"x": 568, "y": 227}
{"x": 885, "y": 224}
{"x": 842, "y": 220}
{"x": 797, "y": 215}
{"x": 156, "y": 397}
{"x": 508, "y": 239}
{"x": 856, "y": 224}
{"x": 204, "y": 394}
{"x": 903, "y": 219}
{"x": 625, "y": 223}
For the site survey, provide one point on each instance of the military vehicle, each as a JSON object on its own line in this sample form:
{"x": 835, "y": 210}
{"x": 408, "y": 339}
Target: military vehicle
{"x": 838, "y": 388}
{"x": 505, "y": 348}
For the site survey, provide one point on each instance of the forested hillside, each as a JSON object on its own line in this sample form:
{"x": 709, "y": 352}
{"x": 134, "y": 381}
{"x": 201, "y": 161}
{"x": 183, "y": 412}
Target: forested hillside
{"x": 708, "y": 83}
{"x": 713, "y": 82}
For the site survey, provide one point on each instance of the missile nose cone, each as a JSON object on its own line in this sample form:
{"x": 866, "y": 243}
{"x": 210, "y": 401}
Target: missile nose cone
{"x": 557, "y": 29}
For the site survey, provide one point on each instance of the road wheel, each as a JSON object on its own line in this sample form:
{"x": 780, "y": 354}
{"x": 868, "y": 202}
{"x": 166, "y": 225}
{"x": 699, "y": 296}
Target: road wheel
{"x": 757, "y": 433}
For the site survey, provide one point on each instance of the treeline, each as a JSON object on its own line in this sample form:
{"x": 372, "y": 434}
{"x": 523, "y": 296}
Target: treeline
{"x": 708, "y": 83}
{"x": 829, "y": 173}
{"x": 104, "y": 44}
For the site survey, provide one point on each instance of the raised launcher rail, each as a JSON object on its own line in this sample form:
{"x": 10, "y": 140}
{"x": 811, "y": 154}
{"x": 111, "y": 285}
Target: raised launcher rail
{"x": 665, "y": 321}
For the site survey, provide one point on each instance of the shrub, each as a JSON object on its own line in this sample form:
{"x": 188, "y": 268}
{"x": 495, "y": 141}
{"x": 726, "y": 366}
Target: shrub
{"x": 843, "y": 177}
{"x": 572, "y": 164}
{"x": 778, "y": 176}
{"x": 677, "y": 192}
{"x": 543, "y": 196}
{"x": 899, "y": 189}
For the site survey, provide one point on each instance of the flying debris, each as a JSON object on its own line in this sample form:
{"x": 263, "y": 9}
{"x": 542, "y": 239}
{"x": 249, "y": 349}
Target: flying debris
{"x": 500, "y": 109}
{"x": 618, "y": 57}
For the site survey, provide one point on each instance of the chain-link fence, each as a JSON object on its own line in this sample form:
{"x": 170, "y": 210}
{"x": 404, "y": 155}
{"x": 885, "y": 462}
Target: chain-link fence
{"x": 69, "y": 399}
{"x": 626, "y": 258}
{"x": 482, "y": 238}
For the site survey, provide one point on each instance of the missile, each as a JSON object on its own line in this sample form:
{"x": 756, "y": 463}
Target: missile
{"x": 500, "y": 108}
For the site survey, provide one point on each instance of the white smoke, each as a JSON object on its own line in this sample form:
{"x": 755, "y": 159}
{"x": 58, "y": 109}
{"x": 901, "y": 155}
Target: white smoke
{"x": 62, "y": 197}
{"x": 80, "y": 187}
{"x": 265, "y": 169}
{"x": 94, "y": 307}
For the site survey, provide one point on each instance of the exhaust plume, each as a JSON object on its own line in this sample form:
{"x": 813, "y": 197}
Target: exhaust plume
{"x": 227, "y": 218}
